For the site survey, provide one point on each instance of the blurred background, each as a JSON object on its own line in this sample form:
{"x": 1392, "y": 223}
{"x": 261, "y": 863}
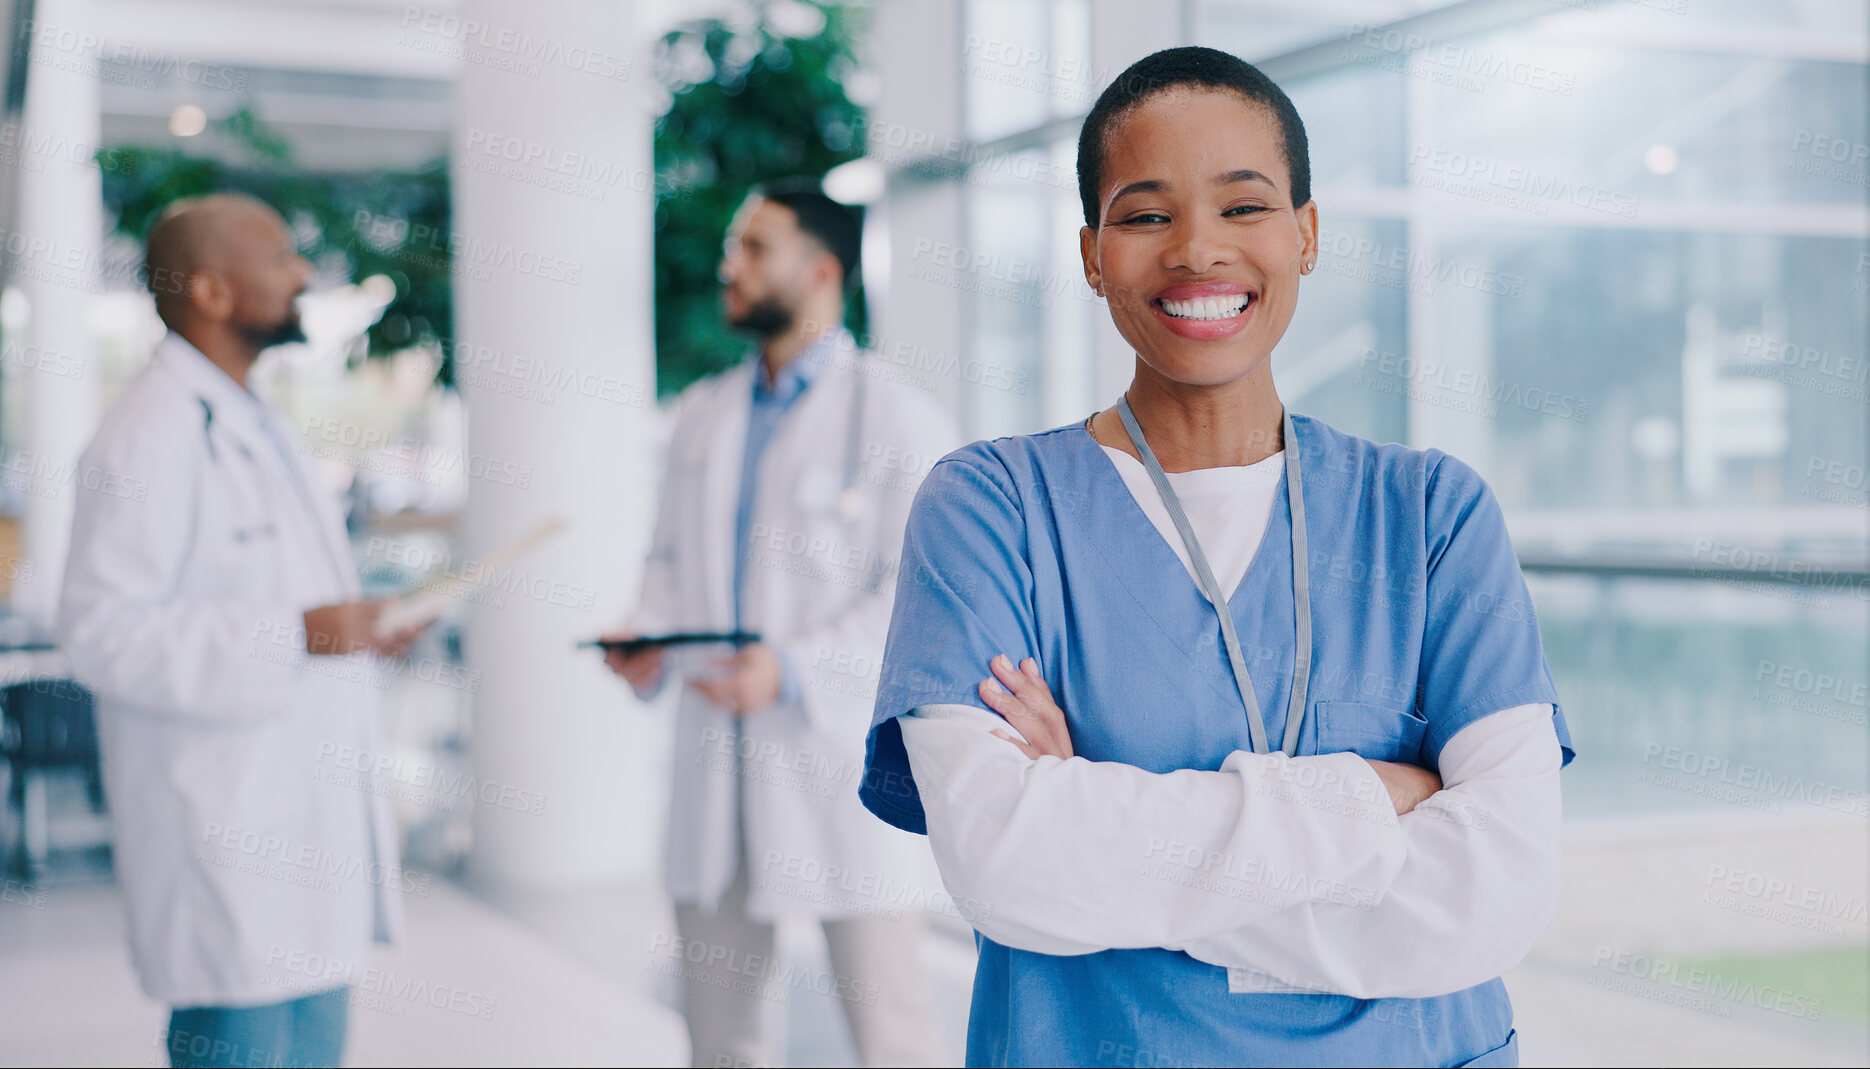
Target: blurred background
{"x": 1613, "y": 253}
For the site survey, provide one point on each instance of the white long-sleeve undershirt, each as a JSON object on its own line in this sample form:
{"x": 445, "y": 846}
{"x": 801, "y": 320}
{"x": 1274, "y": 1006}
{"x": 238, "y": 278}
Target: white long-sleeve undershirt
{"x": 1479, "y": 882}
{"x": 1295, "y": 871}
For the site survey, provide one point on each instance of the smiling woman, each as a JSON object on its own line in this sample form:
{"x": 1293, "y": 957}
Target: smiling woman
{"x": 1213, "y": 820}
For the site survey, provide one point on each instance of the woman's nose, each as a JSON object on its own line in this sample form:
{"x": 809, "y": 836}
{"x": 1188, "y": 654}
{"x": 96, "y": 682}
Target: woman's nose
{"x": 1196, "y": 246}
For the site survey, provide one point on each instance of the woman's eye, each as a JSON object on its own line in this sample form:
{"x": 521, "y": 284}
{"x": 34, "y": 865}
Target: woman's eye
{"x": 1146, "y": 218}
{"x": 1245, "y": 209}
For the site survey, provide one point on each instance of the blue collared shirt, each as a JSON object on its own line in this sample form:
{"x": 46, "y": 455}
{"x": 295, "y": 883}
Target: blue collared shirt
{"x": 770, "y": 404}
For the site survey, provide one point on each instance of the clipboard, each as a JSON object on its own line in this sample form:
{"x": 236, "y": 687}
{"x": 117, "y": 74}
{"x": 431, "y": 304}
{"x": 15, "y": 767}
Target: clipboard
{"x": 425, "y": 603}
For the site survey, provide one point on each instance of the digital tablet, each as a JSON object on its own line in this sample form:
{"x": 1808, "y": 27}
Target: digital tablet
{"x": 631, "y": 646}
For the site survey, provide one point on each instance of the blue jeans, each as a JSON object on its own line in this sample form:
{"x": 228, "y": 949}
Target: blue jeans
{"x": 305, "y": 1031}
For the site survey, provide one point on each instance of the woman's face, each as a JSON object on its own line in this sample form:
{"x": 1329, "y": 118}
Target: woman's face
{"x": 1200, "y": 249}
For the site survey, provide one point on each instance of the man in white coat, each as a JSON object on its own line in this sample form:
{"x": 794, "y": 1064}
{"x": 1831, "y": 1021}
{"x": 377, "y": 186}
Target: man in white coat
{"x": 789, "y": 482}
{"x": 211, "y": 603}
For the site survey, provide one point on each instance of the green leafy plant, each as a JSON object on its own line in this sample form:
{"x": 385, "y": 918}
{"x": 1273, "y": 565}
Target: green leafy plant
{"x": 755, "y": 98}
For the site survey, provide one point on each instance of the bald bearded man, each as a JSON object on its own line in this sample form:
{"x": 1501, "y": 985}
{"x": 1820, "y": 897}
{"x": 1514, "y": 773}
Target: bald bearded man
{"x": 211, "y": 602}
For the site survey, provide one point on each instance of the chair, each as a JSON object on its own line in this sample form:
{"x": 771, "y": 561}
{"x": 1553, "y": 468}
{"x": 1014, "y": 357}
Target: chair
{"x": 47, "y": 726}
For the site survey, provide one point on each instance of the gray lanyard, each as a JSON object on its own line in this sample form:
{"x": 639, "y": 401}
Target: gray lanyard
{"x": 1301, "y": 585}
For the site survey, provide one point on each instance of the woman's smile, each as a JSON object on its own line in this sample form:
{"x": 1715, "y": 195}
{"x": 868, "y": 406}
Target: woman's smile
{"x": 1206, "y": 311}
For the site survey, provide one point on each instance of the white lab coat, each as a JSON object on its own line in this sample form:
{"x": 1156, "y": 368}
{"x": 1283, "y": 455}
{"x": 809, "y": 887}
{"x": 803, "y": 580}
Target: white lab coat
{"x": 820, "y": 589}
{"x": 256, "y": 863}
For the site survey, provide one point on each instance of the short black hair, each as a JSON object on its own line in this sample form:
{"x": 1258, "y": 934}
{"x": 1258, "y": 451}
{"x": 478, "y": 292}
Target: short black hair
{"x": 1168, "y": 69}
{"x": 838, "y": 227}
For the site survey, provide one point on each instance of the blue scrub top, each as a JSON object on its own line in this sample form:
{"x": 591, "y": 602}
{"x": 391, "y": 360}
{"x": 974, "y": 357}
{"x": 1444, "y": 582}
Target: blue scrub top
{"x": 1033, "y": 546}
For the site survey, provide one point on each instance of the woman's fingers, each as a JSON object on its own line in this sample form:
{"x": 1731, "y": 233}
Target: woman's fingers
{"x": 1023, "y": 680}
{"x": 1020, "y": 694}
{"x": 1029, "y": 668}
{"x": 1027, "y": 708}
{"x": 1010, "y": 677}
{"x": 1029, "y": 750}
{"x": 1000, "y": 700}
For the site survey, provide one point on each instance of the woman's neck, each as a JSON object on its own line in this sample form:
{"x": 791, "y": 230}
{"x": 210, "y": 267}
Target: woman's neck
{"x": 1190, "y": 427}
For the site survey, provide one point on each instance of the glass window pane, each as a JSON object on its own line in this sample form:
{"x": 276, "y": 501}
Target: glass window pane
{"x": 1350, "y": 325}
{"x": 1007, "y": 66}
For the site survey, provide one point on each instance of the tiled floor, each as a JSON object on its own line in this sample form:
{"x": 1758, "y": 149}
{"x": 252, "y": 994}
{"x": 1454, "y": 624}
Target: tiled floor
{"x": 568, "y": 973}
{"x": 72, "y": 999}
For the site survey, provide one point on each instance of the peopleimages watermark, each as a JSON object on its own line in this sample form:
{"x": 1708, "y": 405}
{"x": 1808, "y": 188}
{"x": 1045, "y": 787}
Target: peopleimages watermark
{"x": 1309, "y": 785}
{"x": 1246, "y": 876}
{"x": 914, "y": 364}
{"x": 1806, "y": 367}
{"x": 1835, "y": 482}
{"x": 347, "y": 442}
{"x": 1777, "y": 898}
{"x": 1837, "y": 158}
{"x": 303, "y": 864}
{"x": 841, "y": 671}
{"x": 991, "y": 275}
{"x": 37, "y": 474}
{"x": 436, "y": 783}
{"x": 1818, "y": 693}
{"x": 808, "y": 771}
{"x": 1510, "y": 185}
{"x": 41, "y": 359}
{"x": 813, "y": 555}
{"x": 760, "y": 975}
{"x": 1452, "y": 63}
{"x": 1021, "y": 66}
{"x": 1740, "y": 561}
{"x": 856, "y": 890}
{"x": 480, "y": 582}
{"x": 1429, "y": 382}
{"x": 461, "y": 253}
{"x": 371, "y": 987}
{"x": 1742, "y": 783}
{"x": 517, "y": 52}
{"x": 541, "y": 379}
{"x": 82, "y": 51}
{"x": 21, "y": 894}
{"x": 561, "y": 170}
{"x": 72, "y": 266}
{"x": 28, "y": 149}
{"x": 1363, "y": 259}
{"x": 1698, "y": 988}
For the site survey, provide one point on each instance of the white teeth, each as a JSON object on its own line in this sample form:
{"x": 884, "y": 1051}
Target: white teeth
{"x": 1207, "y": 307}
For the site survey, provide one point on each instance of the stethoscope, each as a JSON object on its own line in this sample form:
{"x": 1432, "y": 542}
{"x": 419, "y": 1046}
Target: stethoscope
{"x": 265, "y": 496}
{"x": 1301, "y": 585}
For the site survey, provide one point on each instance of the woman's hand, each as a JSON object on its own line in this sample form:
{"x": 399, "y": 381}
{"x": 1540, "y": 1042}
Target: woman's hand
{"x": 1408, "y": 785}
{"x": 1021, "y": 695}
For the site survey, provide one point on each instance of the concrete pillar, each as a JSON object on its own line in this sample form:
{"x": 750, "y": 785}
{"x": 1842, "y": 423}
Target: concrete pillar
{"x": 553, "y": 203}
{"x": 1121, "y": 34}
{"x": 922, "y": 325}
{"x": 53, "y": 259}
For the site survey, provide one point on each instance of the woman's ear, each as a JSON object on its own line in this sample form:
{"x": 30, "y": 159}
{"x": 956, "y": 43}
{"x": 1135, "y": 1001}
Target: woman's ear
{"x": 1308, "y": 236}
{"x": 1087, "y": 248}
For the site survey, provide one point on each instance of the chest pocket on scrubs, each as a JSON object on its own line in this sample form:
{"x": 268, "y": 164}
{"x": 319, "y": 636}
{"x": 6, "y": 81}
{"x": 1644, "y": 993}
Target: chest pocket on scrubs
{"x": 1374, "y": 732}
